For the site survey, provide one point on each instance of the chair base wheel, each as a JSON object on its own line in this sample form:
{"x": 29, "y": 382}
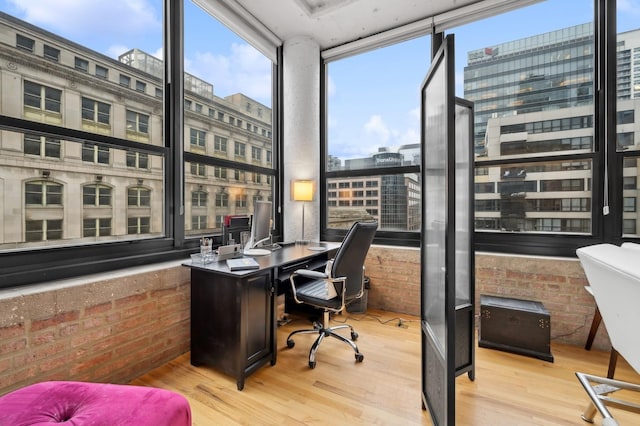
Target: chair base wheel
{"x": 354, "y": 335}
{"x": 312, "y": 364}
{"x": 359, "y": 357}
{"x": 290, "y": 343}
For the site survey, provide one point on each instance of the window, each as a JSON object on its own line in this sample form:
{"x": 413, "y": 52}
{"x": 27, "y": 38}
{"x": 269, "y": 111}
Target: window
{"x": 220, "y": 172}
{"x": 220, "y": 144}
{"x": 102, "y": 72}
{"x": 241, "y": 201}
{"x": 51, "y": 53}
{"x": 41, "y": 146}
{"x": 96, "y": 195}
{"x": 82, "y": 64}
{"x": 98, "y": 227}
{"x": 256, "y": 153}
{"x": 198, "y": 139}
{"x": 74, "y": 134}
{"x": 137, "y": 122}
{"x": 96, "y": 111}
{"x": 43, "y": 194}
{"x": 198, "y": 222}
{"x": 95, "y": 153}
{"x": 43, "y": 230}
{"x": 138, "y": 225}
{"x": 141, "y": 86}
{"x": 198, "y": 169}
{"x": 24, "y": 43}
{"x": 240, "y": 149}
{"x": 125, "y": 80}
{"x": 222, "y": 200}
{"x": 42, "y": 97}
{"x": 138, "y": 197}
{"x": 199, "y": 199}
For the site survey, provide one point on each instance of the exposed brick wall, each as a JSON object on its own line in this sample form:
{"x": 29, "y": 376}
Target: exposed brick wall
{"x": 115, "y": 329}
{"x": 106, "y": 330}
{"x": 556, "y": 282}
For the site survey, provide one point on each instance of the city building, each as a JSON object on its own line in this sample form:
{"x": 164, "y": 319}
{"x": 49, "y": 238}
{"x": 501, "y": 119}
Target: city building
{"x": 71, "y": 191}
{"x": 533, "y": 104}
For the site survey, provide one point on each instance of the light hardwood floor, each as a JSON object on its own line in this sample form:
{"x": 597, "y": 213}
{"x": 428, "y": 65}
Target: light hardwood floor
{"x": 384, "y": 389}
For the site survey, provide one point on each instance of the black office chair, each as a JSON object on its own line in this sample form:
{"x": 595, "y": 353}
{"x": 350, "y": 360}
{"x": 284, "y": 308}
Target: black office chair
{"x": 345, "y": 274}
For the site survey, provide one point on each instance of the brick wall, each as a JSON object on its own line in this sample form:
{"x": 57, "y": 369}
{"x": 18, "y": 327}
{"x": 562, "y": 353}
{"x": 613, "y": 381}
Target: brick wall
{"x": 557, "y": 282}
{"x": 102, "y": 330}
{"x": 117, "y": 328}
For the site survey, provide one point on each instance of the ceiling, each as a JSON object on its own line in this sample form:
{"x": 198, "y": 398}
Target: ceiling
{"x": 335, "y": 22}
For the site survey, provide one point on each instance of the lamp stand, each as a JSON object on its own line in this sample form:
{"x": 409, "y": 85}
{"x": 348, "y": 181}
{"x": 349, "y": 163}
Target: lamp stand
{"x": 302, "y": 241}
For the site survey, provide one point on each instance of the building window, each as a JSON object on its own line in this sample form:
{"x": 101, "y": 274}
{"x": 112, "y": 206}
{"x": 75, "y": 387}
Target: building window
{"x": 241, "y": 201}
{"x": 98, "y": 227}
{"x": 138, "y": 225}
{"x": 96, "y": 111}
{"x": 41, "y": 146}
{"x": 51, "y": 53}
{"x": 198, "y": 139}
{"x": 24, "y": 43}
{"x": 141, "y": 86}
{"x": 199, "y": 199}
{"x": 220, "y": 116}
{"x": 626, "y": 117}
{"x": 269, "y": 157}
{"x": 240, "y": 149}
{"x": 125, "y": 80}
{"x": 199, "y": 108}
{"x": 137, "y": 122}
{"x": 42, "y": 97}
{"x": 187, "y": 105}
{"x": 256, "y": 153}
{"x": 138, "y": 197}
{"x": 222, "y": 199}
{"x": 82, "y": 64}
{"x": 220, "y": 172}
{"x": 629, "y": 204}
{"x": 96, "y": 195}
{"x": 198, "y": 222}
{"x": 625, "y": 140}
{"x": 102, "y": 72}
{"x": 198, "y": 169}
{"x": 43, "y": 230}
{"x": 43, "y": 193}
{"x": 158, "y": 92}
{"x": 138, "y": 160}
{"x": 95, "y": 153}
{"x": 220, "y": 144}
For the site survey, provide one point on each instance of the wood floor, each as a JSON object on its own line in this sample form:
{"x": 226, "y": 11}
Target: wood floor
{"x": 384, "y": 389}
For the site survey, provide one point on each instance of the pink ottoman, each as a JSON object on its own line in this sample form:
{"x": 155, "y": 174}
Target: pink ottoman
{"x": 80, "y": 404}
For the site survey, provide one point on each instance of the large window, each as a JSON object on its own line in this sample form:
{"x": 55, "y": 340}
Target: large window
{"x": 228, "y": 128}
{"x": 373, "y": 140}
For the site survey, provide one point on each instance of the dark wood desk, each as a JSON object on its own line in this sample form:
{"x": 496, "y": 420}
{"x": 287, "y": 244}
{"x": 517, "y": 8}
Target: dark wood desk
{"x": 233, "y": 313}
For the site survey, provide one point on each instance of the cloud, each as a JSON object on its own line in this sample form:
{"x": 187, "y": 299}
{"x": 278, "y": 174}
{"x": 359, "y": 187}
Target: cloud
{"x": 629, "y": 6}
{"x": 376, "y": 126}
{"x": 244, "y": 70}
{"x": 75, "y": 18}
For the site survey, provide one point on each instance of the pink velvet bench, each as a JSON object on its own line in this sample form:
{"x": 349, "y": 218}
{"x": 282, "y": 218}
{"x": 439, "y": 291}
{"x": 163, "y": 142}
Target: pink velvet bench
{"x": 96, "y": 404}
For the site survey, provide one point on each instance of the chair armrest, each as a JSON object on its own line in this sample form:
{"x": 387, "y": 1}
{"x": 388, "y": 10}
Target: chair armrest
{"x": 308, "y": 273}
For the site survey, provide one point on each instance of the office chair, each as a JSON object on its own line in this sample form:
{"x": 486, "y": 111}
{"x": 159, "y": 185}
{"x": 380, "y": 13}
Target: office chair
{"x": 614, "y": 276}
{"x": 345, "y": 274}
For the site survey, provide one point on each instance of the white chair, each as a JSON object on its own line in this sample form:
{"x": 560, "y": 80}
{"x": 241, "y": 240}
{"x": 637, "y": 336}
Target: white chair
{"x": 614, "y": 276}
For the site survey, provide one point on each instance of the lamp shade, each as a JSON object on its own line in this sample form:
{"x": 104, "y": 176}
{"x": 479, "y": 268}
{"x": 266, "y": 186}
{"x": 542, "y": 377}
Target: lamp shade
{"x": 302, "y": 190}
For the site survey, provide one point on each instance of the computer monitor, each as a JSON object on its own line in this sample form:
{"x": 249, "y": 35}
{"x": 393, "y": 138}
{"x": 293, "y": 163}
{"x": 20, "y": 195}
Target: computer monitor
{"x": 260, "y": 226}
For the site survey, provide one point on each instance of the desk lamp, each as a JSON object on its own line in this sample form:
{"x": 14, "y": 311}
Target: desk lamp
{"x": 302, "y": 190}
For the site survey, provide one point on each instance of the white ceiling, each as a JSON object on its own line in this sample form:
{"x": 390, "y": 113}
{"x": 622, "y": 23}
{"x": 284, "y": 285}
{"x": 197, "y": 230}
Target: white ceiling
{"x": 335, "y": 22}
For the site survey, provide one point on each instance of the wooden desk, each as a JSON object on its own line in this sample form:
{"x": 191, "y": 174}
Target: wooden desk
{"x": 233, "y": 314}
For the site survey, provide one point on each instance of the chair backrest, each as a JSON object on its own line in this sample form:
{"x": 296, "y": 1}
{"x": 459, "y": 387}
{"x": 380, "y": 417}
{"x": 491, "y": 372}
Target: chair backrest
{"x": 349, "y": 259}
{"x": 614, "y": 276}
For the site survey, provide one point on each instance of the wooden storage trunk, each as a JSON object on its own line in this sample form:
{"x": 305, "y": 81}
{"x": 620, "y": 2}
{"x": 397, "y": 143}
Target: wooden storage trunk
{"x": 514, "y": 325}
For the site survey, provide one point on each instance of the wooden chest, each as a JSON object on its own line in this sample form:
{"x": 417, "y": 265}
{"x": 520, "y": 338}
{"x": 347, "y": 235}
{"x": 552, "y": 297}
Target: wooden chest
{"x": 514, "y": 325}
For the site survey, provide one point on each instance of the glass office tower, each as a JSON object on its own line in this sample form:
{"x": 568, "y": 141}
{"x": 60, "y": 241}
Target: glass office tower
{"x": 533, "y": 102}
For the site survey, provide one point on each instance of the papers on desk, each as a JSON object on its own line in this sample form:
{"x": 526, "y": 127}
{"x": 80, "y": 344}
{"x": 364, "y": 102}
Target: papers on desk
{"x": 242, "y": 263}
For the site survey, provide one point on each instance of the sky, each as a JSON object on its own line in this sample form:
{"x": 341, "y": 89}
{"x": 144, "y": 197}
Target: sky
{"x": 374, "y": 98}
